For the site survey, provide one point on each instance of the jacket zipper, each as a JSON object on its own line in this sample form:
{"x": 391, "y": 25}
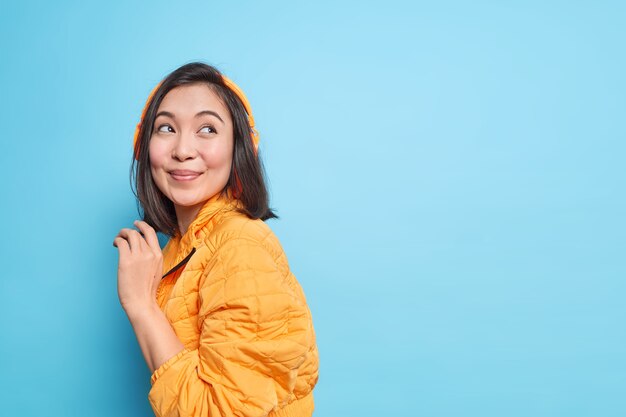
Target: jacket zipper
{"x": 181, "y": 263}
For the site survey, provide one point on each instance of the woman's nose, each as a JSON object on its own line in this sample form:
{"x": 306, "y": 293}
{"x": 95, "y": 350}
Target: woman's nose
{"x": 185, "y": 146}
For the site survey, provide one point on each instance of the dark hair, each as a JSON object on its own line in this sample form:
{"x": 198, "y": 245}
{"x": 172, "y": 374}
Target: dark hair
{"x": 246, "y": 166}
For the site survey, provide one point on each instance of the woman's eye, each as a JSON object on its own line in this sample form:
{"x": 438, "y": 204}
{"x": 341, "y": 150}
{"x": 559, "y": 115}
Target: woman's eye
{"x": 159, "y": 128}
{"x": 210, "y": 129}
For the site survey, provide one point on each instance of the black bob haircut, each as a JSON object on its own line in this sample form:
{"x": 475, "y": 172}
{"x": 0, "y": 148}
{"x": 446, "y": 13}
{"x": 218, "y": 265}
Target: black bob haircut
{"x": 158, "y": 209}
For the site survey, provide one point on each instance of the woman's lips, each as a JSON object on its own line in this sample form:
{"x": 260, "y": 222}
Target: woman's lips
{"x": 183, "y": 175}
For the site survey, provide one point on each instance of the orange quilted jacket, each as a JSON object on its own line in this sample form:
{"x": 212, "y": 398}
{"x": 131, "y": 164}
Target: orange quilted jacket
{"x": 232, "y": 300}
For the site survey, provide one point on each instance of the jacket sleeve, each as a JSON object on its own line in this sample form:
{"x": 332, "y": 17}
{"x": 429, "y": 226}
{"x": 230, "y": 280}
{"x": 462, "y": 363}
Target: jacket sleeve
{"x": 255, "y": 333}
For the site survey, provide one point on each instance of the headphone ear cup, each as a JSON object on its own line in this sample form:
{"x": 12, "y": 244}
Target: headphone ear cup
{"x": 143, "y": 115}
{"x": 135, "y": 140}
{"x": 246, "y": 104}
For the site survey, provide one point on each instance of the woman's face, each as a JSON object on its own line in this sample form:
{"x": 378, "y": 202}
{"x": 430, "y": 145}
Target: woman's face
{"x": 191, "y": 148}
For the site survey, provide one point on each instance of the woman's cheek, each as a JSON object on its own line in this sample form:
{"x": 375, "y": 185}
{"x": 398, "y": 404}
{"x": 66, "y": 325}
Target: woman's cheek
{"x": 216, "y": 157}
{"x": 157, "y": 149}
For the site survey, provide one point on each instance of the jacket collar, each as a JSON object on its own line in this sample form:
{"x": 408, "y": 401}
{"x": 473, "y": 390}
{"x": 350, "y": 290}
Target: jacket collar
{"x": 180, "y": 248}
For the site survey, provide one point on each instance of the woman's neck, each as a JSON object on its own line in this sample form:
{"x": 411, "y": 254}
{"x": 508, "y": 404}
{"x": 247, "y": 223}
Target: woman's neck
{"x": 185, "y": 215}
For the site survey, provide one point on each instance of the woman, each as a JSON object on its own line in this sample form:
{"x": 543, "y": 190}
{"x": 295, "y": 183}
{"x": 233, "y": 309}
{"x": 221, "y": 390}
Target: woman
{"x": 222, "y": 322}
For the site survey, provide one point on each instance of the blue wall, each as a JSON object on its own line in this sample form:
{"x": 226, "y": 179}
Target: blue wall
{"x": 450, "y": 180}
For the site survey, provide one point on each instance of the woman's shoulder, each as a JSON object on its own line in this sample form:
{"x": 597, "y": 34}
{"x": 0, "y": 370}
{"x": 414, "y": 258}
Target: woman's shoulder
{"x": 236, "y": 227}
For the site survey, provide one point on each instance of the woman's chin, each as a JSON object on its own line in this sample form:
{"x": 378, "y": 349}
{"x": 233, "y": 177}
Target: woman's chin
{"x": 187, "y": 201}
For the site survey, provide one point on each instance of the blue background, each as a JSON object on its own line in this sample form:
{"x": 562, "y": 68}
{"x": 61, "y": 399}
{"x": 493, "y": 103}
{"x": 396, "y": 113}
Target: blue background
{"x": 450, "y": 180}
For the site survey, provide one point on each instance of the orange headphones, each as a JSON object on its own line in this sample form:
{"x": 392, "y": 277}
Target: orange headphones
{"x": 233, "y": 87}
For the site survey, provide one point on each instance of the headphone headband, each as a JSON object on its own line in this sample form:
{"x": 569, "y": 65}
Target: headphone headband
{"x": 233, "y": 87}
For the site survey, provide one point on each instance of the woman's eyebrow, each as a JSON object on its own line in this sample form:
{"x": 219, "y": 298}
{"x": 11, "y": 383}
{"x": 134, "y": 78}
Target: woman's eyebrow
{"x": 201, "y": 113}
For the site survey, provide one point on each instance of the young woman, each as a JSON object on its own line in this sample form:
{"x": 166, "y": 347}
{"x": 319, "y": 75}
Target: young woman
{"x": 222, "y": 322}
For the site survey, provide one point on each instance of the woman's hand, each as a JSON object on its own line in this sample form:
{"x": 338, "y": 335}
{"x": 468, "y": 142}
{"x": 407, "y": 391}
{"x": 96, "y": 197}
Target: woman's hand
{"x": 140, "y": 266}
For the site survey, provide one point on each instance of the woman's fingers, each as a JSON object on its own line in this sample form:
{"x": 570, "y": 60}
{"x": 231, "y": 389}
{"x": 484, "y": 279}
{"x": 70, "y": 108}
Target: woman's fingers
{"x": 122, "y": 245}
{"x": 149, "y": 234}
{"x": 134, "y": 239}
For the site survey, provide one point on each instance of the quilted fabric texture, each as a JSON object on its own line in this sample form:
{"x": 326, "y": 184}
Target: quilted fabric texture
{"x": 250, "y": 346}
